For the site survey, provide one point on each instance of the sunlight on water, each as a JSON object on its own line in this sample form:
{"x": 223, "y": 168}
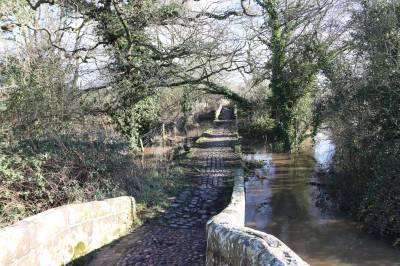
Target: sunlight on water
{"x": 324, "y": 150}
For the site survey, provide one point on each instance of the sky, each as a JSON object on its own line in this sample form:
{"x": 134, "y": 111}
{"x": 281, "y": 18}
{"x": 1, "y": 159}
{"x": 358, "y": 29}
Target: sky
{"x": 235, "y": 28}
{"x": 237, "y": 31}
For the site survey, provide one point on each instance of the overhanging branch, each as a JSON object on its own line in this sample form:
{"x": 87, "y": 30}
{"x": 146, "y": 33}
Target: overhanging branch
{"x": 39, "y": 3}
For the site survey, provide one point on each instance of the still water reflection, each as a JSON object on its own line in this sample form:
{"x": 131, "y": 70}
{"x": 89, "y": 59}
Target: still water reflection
{"x": 282, "y": 199}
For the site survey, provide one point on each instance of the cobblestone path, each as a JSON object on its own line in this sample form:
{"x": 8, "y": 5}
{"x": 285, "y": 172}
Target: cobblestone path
{"x": 177, "y": 237}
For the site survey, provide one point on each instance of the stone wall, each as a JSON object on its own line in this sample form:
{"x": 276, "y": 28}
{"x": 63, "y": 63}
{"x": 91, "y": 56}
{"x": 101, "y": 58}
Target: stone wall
{"x": 59, "y": 235}
{"x": 229, "y": 242}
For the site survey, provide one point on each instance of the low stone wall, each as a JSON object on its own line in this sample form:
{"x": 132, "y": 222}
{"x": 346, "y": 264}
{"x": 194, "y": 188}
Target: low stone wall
{"x": 59, "y": 235}
{"x": 229, "y": 242}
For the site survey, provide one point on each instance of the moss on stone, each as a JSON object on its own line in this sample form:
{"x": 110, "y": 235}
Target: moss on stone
{"x": 79, "y": 250}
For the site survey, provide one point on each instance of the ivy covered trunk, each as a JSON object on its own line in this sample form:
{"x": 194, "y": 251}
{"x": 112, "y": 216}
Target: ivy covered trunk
{"x": 280, "y": 111}
{"x": 293, "y": 67}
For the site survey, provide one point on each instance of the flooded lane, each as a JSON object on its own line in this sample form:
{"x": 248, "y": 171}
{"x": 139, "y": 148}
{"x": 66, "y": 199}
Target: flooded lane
{"x": 281, "y": 201}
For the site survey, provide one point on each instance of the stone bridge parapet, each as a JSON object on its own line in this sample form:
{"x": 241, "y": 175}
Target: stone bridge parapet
{"x": 229, "y": 242}
{"x": 60, "y": 235}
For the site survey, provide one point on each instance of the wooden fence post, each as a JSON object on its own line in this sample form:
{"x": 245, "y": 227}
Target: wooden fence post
{"x": 163, "y": 134}
{"x": 141, "y": 145}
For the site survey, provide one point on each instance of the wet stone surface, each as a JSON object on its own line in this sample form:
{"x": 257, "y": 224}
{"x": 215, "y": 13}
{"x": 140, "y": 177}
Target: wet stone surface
{"x": 177, "y": 236}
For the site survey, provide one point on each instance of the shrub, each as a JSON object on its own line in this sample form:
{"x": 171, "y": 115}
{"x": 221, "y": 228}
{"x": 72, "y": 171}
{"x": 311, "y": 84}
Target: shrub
{"x": 364, "y": 119}
{"x": 262, "y": 126}
{"x": 39, "y": 174}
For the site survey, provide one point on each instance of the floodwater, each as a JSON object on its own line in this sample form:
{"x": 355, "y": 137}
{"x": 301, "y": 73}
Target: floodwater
{"x": 158, "y": 154}
{"x": 283, "y": 199}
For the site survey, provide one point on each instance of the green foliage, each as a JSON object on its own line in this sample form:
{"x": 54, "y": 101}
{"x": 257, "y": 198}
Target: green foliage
{"x": 39, "y": 174}
{"x": 237, "y": 149}
{"x": 170, "y": 11}
{"x": 293, "y": 67}
{"x": 38, "y": 101}
{"x": 302, "y": 117}
{"x": 139, "y": 64}
{"x": 187, "y": 103}
{"x": 262, "y": 126}
{"x": 365, "y": 118}
{"x": 40, "y": 168}
{"x": 134, "y": 121}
